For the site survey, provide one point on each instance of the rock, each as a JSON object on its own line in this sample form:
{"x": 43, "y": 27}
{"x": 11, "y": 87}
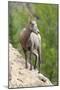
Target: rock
{"x": 21, "y": 77}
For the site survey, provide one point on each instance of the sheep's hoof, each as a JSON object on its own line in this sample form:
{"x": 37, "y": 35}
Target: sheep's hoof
{"x": 30, "y": 68}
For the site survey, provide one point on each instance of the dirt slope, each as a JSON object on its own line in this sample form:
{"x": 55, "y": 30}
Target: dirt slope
{"x": 21, "y": 77}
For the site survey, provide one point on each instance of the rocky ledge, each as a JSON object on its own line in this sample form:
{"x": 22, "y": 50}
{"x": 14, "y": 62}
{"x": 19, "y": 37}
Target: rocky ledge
{"x": 21, "y": 77}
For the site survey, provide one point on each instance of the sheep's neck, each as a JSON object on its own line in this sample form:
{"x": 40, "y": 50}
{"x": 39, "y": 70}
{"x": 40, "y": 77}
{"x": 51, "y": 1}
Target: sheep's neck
{"x": 26, "y": 36}
{"x": 28, "y": 32}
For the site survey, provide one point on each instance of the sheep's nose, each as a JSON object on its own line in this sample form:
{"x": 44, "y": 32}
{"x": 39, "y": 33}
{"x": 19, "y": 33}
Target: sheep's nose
{"x": 38, "y": 31}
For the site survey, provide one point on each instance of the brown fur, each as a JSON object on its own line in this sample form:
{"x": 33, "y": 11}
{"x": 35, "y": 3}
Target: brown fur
{"x": 24, "y": 36}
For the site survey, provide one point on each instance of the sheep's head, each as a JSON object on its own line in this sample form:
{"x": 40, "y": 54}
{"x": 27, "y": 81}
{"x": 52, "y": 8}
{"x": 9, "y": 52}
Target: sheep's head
{"x": 33, "y": 26}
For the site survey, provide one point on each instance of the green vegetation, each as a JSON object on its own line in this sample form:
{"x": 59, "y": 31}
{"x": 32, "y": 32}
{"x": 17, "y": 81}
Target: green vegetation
{"x": 48, "y": 26}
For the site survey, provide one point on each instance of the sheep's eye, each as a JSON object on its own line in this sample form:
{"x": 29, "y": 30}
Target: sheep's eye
{"x": 32, "y": 24}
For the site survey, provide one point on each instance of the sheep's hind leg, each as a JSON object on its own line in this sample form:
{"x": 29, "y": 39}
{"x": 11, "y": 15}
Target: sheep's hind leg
{"x": 35, "y": 62}
{"x": 30, "y": 60}
{"x": 39, "y": 60}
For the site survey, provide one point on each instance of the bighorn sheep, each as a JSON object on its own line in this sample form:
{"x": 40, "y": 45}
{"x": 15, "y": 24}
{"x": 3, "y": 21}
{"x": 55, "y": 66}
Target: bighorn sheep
{"x": 30, "y": 40}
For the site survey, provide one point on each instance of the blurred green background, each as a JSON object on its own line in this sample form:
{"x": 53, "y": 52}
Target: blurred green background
{"x": 18, "y": 16}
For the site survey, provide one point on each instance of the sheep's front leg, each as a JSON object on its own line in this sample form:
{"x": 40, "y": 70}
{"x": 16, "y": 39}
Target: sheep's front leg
{"x": 36, "y": 58}
{"x": 25, "y": 52}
